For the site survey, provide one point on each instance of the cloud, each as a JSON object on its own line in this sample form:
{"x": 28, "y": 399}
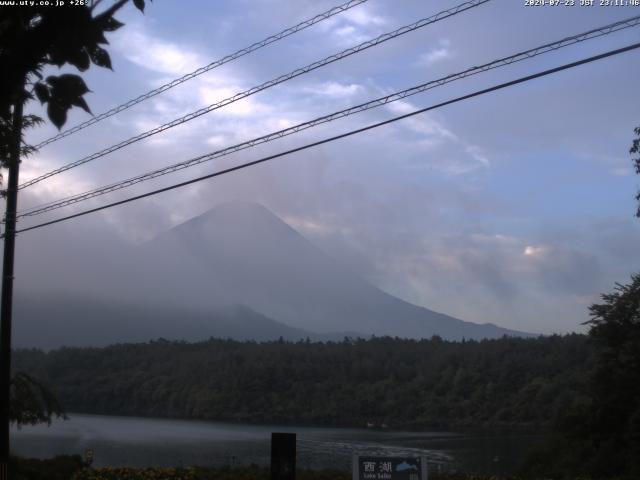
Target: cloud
{"x": 242, "y": 119}
{"x": 363, "y": 16}
{"x": 457, "y": 210}
{"x": 334, "y": 89}
{"x": 617, "y": 166}
{"x": 242, "y": 108}
{"x": 436, "y": 145}
{"x": 53, "y": 188}
{"x": 435, "y": 55}
{"x": 476, "y": 152}
{"x": 499, "y": 277}
{"x": 216, "y": 141}
{"x": 316, "y": 227}
{"x": 534, "y": 251}
{"x": 153, "y": 53}
{"x": 425, "y": 124}
{"x": 354, "y": 26}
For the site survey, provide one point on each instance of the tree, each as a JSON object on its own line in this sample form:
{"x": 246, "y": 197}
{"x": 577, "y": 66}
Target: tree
{"x": 615, "y": 413}
{"x": 607, "y": 429}
{"x": 635, "y": 150}
{"x": 32, "y": 402}
{"x": 32, "y": 38}
{"x": 600, "y": 434}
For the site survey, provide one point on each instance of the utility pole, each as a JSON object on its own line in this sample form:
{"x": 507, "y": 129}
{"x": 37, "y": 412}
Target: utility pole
{"x": 7, "y": 282}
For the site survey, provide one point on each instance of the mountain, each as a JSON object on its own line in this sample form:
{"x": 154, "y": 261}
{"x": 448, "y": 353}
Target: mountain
{"x": 51, "y": 321}
{"x": 241, "y": 253}
{"x": 237, "y": 271}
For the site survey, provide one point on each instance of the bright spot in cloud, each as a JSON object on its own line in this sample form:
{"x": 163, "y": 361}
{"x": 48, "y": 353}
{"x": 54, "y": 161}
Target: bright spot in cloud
{"x": 534, "y": 251}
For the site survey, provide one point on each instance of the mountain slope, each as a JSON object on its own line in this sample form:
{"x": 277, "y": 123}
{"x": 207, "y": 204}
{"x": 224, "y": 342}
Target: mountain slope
{"x": 241, "y": 253}
{"x": 51, "y": 322}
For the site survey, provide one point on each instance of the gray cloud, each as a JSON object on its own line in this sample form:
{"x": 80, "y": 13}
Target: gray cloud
{"x": 438, "y": 210}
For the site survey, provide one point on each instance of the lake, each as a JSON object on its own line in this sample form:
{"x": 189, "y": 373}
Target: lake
{"x": 132, "y": 441}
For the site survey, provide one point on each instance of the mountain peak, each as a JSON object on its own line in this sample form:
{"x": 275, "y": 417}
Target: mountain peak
{"x": 237, "y": 215}
{"x": 246, "y": 254}
{"x": 236, "y": 209}
{"x": 240, "y": 207}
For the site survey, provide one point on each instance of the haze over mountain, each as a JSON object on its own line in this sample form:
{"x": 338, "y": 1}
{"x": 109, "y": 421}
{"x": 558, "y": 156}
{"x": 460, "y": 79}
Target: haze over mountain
{"x": 236, "y": 271}
{"x": 51, "y": 321}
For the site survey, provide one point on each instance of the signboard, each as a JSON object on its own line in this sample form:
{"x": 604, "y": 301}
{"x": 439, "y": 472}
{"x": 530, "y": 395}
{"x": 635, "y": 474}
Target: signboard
{"x": 389, "y": 468}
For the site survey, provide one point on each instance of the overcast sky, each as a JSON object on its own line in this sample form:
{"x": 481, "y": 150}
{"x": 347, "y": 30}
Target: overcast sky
{"x": 514, "y": 208}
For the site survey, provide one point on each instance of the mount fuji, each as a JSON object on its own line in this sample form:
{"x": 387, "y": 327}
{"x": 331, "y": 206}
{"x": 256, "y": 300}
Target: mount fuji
{"x": 237, "y": 271}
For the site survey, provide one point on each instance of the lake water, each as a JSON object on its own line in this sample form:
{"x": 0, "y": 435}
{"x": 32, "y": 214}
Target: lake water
{"x": 119, "y": 441}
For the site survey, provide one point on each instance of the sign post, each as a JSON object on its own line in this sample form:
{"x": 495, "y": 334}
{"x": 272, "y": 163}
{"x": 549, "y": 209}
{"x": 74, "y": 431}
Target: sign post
{"x": 283, "y": 456}
{"x": 389, "y": 468}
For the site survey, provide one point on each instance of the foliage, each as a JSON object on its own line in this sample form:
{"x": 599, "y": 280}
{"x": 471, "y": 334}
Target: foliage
{"x": 31, "y": 402}
{"x": 236, "y": 473}
{"x": 614, "y": 419}
{"x": 600, "y": 437}
{"x": 39, "y": 36}
{"x": 127, "y": 473}
{"x": 71, "y": 468}
{"x": 67, "y": 467}
{"x": 58, "y": 468}
{"x": 33, "y": 38}
{"x": 635, "y": 149}
{"x": 508, "y": 382}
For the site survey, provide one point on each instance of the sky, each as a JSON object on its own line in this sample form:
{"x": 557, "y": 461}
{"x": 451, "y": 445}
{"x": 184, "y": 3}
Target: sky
{"x": 516, "y": 207}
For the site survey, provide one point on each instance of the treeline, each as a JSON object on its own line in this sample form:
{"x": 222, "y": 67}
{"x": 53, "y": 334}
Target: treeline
{"x": 508, "y": 382}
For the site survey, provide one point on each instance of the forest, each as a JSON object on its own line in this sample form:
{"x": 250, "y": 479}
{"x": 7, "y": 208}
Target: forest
{"x": 583, "y": 390}
{"x": 399, "y": 383}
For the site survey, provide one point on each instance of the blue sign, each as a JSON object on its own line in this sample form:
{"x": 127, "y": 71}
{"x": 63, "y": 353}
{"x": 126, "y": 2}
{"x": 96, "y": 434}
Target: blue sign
{"x": 389, "y": 468}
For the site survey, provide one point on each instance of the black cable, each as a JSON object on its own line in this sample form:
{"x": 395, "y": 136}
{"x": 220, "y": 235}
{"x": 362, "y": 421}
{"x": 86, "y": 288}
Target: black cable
{"x": 384, "y": 100}
{"x": 271, "y": 83}
{"x": 343, "y": 135}
{"x": 228, "y": 58}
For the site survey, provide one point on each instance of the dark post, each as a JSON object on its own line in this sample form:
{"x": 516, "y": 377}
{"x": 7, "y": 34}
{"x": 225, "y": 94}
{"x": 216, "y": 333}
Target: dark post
{"x": 283, "y": 456}
{"x": 7, "y": 286}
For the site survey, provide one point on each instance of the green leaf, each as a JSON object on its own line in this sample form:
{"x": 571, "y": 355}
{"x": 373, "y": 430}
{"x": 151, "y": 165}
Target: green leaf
{"x": 66, "y": 91}
{"x": 67, "y": 86}
{"x": 52, "y": 80}
{"x": 100, "y": 57}
{"x": 139, "y": 4}
{"x": 56, "y": 56}
{"x": 80, "y": 102}
{"x": 57, "y": 114}
{"x": 111, "y": 24}
{"x": 100, "y": 38}
{"x": 29, "y": 121}
{"x": 42, "y": 92}
{"x": 79, "y": 58}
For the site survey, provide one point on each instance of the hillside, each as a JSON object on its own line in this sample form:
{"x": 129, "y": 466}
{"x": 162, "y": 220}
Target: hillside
{"x": 507, "y": 382}
{"x": 236, "y": 271}
{"x": 244, "y": 254}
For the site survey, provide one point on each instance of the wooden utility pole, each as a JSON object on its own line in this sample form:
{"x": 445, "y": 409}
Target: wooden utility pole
{"x": 7, "y": 283}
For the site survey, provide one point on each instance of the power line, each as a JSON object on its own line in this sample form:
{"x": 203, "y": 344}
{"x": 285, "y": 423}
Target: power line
{"x": 343, "y": 135}
{"x": 271, "y": 83}
{"x": 228, "y": 58}
{"x": 594, "y": 33}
